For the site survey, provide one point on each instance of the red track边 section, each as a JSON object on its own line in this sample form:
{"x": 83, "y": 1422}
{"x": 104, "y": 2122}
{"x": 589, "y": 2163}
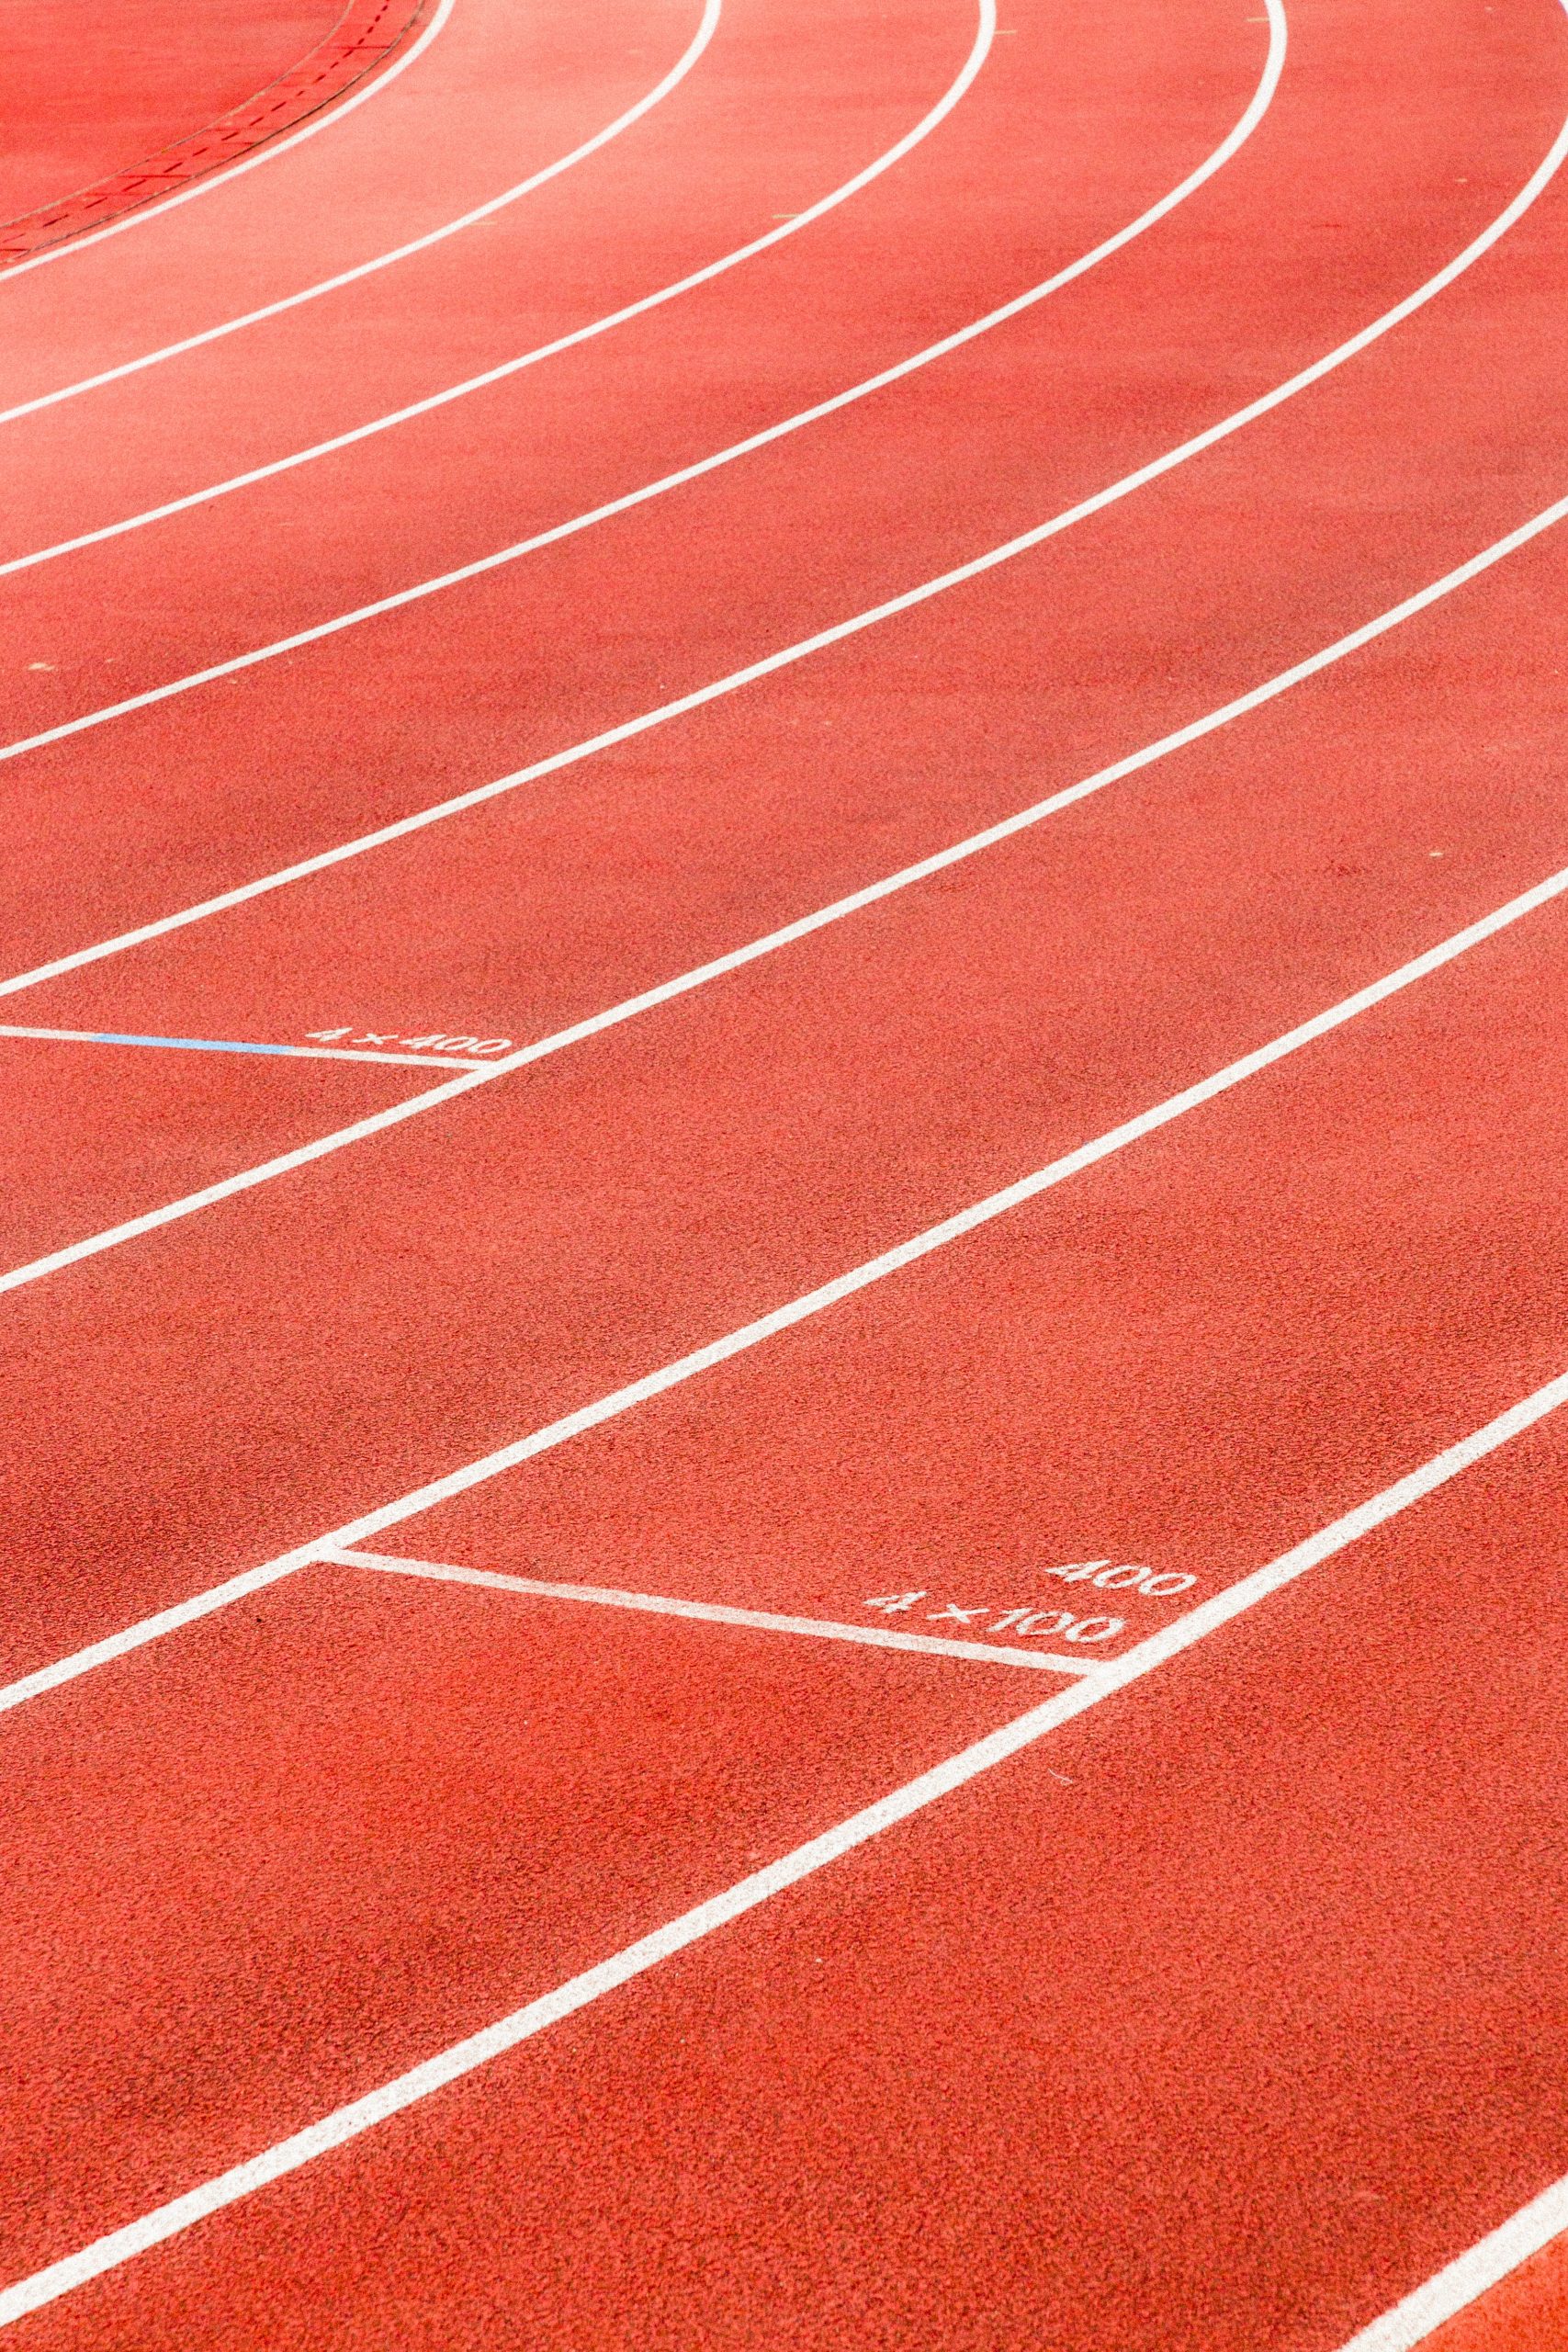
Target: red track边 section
{"x": 92, "y": 92}
{"x": 362, "y": 40}
{"x": 1521, "y": 2313}
{"x": 358, "y": 1818}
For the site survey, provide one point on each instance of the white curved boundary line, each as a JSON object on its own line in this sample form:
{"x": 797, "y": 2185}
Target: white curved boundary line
{"x": 985, "y": 34}
{"x": 839, "y": 632}
{"x": 329, "y": 115}
{"x": 435, "y": 2074}
{"x": 1255, "y": 109}
{"x": 494, "y": 204}
{"x": 666, "y": 992}
{"x": 1473, "y": 2274}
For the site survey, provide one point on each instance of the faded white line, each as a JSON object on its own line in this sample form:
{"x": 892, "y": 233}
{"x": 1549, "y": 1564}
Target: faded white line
{"x": 1465, "y": 2281}
{"x": 333, "y": 285}
{"x": 711, "y": 1613}
{"x": 328, "y": 117}
{"x": 1256, "y": 108}
{"x": 357, "y": 1533}
{"x": 447, "y": 2066}
{"x": 667, "y": 991}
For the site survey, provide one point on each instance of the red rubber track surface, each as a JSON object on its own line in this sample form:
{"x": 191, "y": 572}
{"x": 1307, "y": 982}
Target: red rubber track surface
{"x": 1529, "y": 2307}
{"x": 362, "y": 38}
{"x": 90, "y": 94}
{"x": 1221, "y": 2018}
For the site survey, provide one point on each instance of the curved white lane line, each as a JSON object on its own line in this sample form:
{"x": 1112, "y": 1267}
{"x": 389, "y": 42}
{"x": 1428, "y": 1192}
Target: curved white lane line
{"x": 984, "y": 33}
{"x": 1257, "y": 107}
{"x": 435, "y": 2074}
{"x": 494, "y": 204}
{"x": 666, "y": 992}
{"x": 787, "y": 656}
{"x": 345, "y": 2122}
{"x": 329, "y": 116}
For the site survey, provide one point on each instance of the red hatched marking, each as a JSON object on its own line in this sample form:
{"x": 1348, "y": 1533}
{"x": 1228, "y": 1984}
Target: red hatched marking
{"x": 366, "y": 35}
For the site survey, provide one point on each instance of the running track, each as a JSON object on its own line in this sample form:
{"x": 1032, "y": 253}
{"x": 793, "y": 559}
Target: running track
{"x": 783, "y": 990}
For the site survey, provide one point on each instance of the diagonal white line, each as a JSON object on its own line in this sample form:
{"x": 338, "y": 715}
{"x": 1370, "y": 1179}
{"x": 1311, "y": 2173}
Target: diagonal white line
{"x": 327, "y": 120}
{"x": 624, "y": 122}
{"x": 666, "y": 992}
{"x": 1257, "y": 107}
{"x": 711, "y": 1613}
{"x": 357, "y": 1533}
{"x": 462, "y": 2058}
{"x": 1470, "y": 2276}
{"x": 152, "y": 1629}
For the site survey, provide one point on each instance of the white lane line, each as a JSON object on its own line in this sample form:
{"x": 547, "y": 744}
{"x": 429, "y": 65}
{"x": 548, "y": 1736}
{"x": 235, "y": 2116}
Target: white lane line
{"x": 358, "y": 1532}
{"x": 1465, "y": 2281}
{"x": 666, "y": 992}
{"x": 839, "y": 632}
{"x": 152, "y": 1629}
{"x": 328, "y": 117}
{"x": 1237, "y": 707}
{"x": 767, "y": 1621}
{"x": 494, "y": 204}
{"x": 449, "y": 2066}
{"x": 979, "y": 50}
{"x": 239, "y": 1045}
{"x": 1256, "y": 108}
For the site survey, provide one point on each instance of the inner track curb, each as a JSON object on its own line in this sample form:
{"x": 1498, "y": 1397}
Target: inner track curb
{"x": 366, "y": 36}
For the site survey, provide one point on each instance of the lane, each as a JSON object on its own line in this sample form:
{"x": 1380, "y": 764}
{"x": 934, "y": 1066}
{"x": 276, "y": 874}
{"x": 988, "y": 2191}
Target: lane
{"x": 91, "y": 1133}
{"x": 969, "y": 664}
{"x": 380, "y": 1809}
{"x": 1296, "y": 1388}
{"x": 631, "y": 1200}
{"x": 644, "y": 223}
{"x": 421, "y": 955}
{"x": 156, "y": 72}
{"x": 449, "y": 125}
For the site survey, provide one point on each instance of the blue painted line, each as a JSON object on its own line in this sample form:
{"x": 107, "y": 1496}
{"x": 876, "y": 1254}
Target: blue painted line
{"x": 194, "y": 1045}
{"x": 238, "y": 1045}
